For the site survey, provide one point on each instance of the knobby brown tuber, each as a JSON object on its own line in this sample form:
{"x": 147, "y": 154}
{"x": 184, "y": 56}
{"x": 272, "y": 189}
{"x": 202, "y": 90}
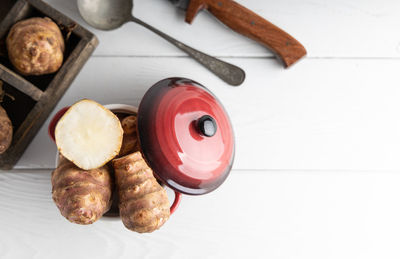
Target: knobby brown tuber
{"x": 35, "y": 46}
{"x": 6, "y": 129}
{"x": 130, "y": 143}
{"x": 81, "y": 196}
{"x": 143, "y": 202}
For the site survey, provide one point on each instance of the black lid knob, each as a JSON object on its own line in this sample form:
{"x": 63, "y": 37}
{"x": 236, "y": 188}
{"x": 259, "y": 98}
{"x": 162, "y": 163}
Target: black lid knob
{"x": 207, "y": 126}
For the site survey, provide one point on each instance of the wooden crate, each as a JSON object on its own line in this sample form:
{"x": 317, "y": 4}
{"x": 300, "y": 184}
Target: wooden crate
{"x": 36, "y": 96}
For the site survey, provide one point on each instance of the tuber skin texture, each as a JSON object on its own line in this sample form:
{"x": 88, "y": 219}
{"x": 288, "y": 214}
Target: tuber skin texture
{"x": 6, "y": 128}
{"x": 35, "y": 46}
{"x": 6, "y": 131}
{"x": 143, "y": 202}
{"x": 130, "y": 143}
{"x": 129, "y": 124}
{"x": 81, "y": 196}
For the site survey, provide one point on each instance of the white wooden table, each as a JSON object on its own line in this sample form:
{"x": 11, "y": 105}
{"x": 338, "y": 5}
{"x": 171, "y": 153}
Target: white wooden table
{"x": 317, "y": 169}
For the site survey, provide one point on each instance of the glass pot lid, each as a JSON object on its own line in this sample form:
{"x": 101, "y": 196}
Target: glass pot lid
{"x": 186, "y": 136}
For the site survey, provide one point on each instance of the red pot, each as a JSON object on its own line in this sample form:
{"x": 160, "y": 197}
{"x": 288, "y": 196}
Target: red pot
{"x": 185, "y": 136}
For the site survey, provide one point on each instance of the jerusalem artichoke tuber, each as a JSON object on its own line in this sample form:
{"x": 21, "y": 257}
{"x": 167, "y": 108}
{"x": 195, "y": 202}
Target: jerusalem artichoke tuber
{"x": 143, "y": 202}
{"x": 6, "y": 129}
{"x": 130, "y": 143}
{"x": 81, "y": 196}
{"x": 35, "y": 46}
{"x": 89, "y": 134}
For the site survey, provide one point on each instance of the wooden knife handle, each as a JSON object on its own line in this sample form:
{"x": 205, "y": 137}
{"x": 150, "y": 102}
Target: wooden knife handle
{"x": 248, "y": 23}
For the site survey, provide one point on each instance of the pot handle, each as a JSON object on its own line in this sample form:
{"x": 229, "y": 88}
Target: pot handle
{"x": 175, "y": 204}
{"x": 51, "y": 131}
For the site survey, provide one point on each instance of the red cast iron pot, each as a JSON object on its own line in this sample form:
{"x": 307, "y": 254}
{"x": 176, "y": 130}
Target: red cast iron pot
{"x": 185, "y": 136}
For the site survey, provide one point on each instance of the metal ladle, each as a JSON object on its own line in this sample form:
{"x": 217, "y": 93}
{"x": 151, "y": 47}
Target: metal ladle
{"x": 111, "y": 14}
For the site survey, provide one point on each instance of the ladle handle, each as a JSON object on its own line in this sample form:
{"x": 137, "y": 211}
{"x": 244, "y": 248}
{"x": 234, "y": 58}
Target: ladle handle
{"x": 229, "y": 73}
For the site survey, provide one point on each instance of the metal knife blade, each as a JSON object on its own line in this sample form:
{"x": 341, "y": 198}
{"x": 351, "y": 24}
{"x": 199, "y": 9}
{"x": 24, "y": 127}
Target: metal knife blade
{"x": 181, "y": 4}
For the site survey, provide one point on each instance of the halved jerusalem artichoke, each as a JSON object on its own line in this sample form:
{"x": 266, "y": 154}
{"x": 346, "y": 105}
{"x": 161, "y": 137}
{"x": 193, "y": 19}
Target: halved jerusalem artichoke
{"x": 89, "y": 135}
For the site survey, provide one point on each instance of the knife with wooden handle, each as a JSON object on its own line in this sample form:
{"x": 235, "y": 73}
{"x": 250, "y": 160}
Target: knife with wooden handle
{"x": 249, "y": 24}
